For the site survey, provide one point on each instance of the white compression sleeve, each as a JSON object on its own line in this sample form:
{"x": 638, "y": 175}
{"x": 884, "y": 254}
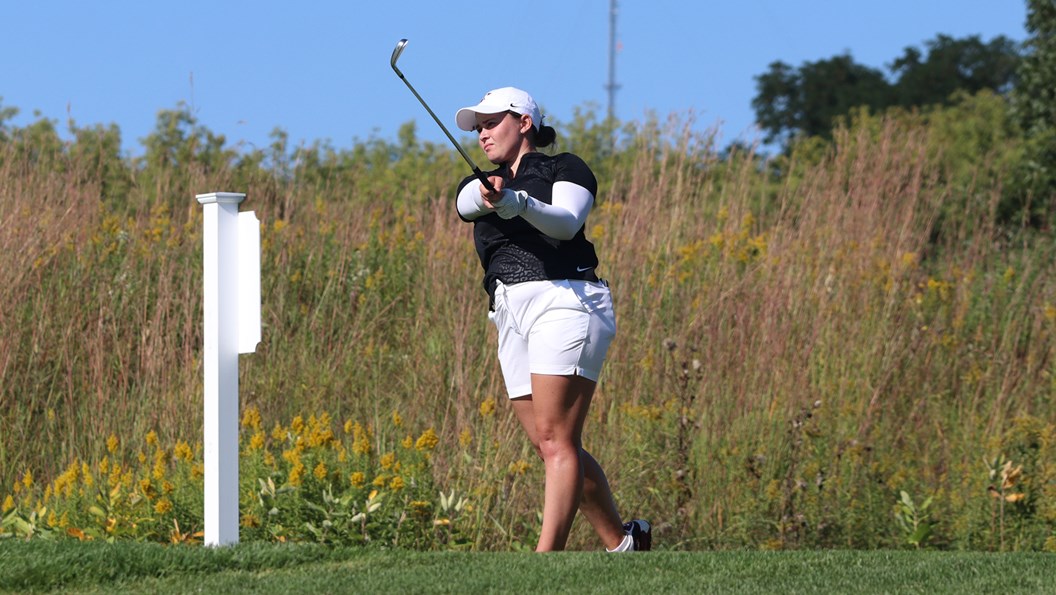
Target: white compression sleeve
{"x": 469, "y": 202}
{"x": 563, "y": 218}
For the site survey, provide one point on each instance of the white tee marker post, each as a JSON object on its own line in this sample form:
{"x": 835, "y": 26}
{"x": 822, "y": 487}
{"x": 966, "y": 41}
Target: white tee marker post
{"x": 231, "y": 291}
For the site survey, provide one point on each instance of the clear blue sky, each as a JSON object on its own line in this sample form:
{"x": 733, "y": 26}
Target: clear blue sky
{"x": 320, "y": 69}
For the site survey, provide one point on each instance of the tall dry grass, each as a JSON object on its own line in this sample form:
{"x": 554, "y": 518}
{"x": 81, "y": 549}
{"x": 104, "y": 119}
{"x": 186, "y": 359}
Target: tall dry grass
{"x": 797, "y": 342}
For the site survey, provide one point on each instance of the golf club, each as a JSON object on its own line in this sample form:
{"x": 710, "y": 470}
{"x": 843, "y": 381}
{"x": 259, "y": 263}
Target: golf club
{"x": 476, "y": 170}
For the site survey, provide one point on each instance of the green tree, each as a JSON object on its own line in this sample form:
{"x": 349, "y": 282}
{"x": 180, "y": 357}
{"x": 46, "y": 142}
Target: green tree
{"x": 808, "y": 99}
{"x": 1034, "y": 108}
{"x": 953, "y": 65}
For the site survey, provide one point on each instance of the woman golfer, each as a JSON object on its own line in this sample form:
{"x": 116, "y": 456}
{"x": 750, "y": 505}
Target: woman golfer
{"x": 554, "y": 316}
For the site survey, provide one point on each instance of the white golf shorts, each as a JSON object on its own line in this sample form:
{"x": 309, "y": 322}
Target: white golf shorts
{"x": 559, "y": 328}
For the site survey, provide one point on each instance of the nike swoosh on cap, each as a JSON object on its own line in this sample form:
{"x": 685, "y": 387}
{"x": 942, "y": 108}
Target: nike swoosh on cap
{"x": 582, "y": 269}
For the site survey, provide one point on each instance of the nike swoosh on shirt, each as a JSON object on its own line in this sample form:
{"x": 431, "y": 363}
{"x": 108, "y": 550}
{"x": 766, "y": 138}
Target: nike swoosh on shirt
{"x": 583, "y": 269}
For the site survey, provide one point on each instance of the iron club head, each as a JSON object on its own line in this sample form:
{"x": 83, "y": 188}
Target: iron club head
{"x": 396, "y": 55}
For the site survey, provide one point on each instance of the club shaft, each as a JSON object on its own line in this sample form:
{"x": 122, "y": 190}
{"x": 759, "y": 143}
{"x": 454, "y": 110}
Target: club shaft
{"x": 476, "y": 170}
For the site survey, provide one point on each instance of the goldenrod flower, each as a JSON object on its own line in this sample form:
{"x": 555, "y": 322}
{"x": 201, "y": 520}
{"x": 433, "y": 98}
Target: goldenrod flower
{"x": 27, "y": 479}
{"x": 183, "y": 451}
{"x": 465, "y": 438}
{"x": 408, "y": 442}
{"x": 361, "y": 440}
{"x": 257, "y": 441}
{"x": 297, "y": 425}
{"x": 387, "y": 460}
{"x": 519, "y": 467}
{"x": 397, "y": 483}
{"x": 487, "y": 407}
{"x": 251, "y": 418}
{"x": 421, "y": 508}
{"x": 278, "y": 432}
{"x": 152, "y": 438}
{"x": 320, "y": 471}
{"x": 348, "y": 426}
{"x": 112, "y": 444}
{"x": 380, "y": 481}
{"x": 8, "y": 505}
{"x": 163, "y": 506}
{"x": 427, "y": 441}
{"x": 158, "y": 471}
{"x": 297, "y": 474}
{"x": 357, "y": 479}
{"x": 397, "y": 420}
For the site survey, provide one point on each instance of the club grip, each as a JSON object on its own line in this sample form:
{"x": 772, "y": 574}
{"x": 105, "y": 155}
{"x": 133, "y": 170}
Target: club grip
{"x": 484, "y": 180}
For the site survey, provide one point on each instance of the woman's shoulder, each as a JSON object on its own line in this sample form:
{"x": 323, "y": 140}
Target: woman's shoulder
{"x": 571, "y": 167}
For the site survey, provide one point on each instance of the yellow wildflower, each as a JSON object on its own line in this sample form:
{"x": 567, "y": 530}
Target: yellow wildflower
{"x": 360, "y": 439}
{"x": 487, "y": 407}
{"x": 421, "y": 508}
{"x": 163, "y": 506}
{"x": 397, "y": 483}
{"x": 251, "y": 418}
{"x": 297, "y": 474}
{"x": 104, "y": 465}
{"x": 257, "y": 441}
{"x": 519, "y": 467}
{"x": 197, "y": 471}
{"x": 297, "y": 425}
{"x": 348, "y": 426}
{"x": 9, "y": 504}
{"x": 408, "y": 442}
{"x": 397, "y": 420}
{"x": 112, "y": 444}
{"x": 357, "y": 479}
{"x": 142, "y": 456}
{"x": 320, "y": 471}
{"x": 158, "y": 471}
{"x": 380, "y": 481}
{"x": 427, "y": 441}
{"x": 465, "y": 438}
{"x": 278, "y": 432}
{"x": 183, "y": 451}
{"x": 27, "y": 479}
{"x": 387, "y": 460}
{"x": 152, "y": 438}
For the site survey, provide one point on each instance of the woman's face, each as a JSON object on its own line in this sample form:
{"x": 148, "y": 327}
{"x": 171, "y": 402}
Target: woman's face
{"x": 503, "y": 136}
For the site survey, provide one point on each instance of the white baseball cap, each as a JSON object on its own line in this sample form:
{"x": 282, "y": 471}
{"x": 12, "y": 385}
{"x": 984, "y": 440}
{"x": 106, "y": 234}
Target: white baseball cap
{"x": 506, "y": 99}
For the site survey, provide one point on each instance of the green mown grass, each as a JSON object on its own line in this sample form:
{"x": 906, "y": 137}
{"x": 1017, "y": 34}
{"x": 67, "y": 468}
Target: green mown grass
{"x": 137, "y": 567}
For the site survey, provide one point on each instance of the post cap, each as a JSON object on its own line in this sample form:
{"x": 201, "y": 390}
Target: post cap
{"x": 221, "y": 198}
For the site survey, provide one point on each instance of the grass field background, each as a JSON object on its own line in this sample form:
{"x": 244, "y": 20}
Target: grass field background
{"x": 846, "y": 346}
{"x": 133, "y": 567}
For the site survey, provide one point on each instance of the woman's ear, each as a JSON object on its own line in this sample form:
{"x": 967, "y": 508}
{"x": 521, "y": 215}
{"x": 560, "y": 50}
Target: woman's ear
{"x": 526, "y": 123}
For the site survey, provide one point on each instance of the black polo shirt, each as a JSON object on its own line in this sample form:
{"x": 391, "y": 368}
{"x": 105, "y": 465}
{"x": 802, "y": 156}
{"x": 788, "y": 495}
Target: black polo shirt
{"x": 513, "y": 250}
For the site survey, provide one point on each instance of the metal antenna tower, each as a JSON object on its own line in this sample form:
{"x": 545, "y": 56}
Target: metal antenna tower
{"x": 612, "y": 86}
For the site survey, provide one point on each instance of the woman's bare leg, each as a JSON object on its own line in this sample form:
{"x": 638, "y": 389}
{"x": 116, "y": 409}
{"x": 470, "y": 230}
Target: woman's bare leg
{"x": 553, "y": 416}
